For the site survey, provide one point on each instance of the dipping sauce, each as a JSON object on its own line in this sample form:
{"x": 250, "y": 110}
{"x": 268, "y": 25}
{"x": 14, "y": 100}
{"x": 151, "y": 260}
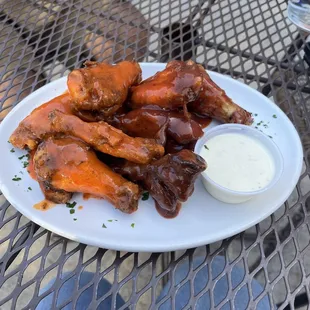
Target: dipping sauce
{"x": 238, "y": 162}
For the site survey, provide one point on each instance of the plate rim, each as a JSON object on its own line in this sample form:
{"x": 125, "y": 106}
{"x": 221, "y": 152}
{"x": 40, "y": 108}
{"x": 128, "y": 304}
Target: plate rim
{"x": 155, "y": 247}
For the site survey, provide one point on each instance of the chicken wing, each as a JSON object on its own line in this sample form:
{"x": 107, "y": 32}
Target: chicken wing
{"x": 54, "y": 194}
{"x": 107, "y": 139}
{"x": 214, "y": 102}
{"x": 102, "y": 87}
{"x": 69, "y": 165}
{"x": 172, "y": 88}
{"x": 32, "y": 129}
{"x": 170, "y": 180}
{"x": 157, "y": 124}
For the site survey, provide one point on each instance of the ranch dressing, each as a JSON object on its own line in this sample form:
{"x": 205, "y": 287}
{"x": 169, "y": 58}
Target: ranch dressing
{"x": 238, "y": 162}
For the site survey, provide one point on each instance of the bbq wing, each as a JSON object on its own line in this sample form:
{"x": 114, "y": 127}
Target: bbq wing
{"x": 160, "y": 124}
{"x": 188, "y": 85}
{"x": 170, "y": 180}
{"x": 69, "y": 165}
{"x": 172, "y": 88}
{"x": 213, "y": 102}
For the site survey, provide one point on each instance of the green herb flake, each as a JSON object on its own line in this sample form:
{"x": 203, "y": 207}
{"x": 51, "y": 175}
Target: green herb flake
{"x": 21, "y": 157}
{"x": 132, "y": 225}
{"x": 145, "y": 196}
{"x": 258, "y": 124}
{"x": 16, "y": 178}
{"x": 206, "y": 147}
{"x": 74, "y": 219}
{"x": 72, "y": 211}
{"x": 270, "y": 137}
{"x": 256, "y": 127}
{"x": 255, "y": 114}
{"x": 9, "y": 142}
{"x": 12, "y": 150}
{"x": 25, "y": 164}
{"x": 29, "y": 188}
{"x": 274, "y": 116}
{"x": 103, "y": 226}
{"x": 71, "y": 205}
{"x": 110, "y": 220}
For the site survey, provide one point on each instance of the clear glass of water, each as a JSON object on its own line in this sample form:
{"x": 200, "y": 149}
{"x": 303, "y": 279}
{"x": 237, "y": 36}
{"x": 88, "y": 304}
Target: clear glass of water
{"x": 299, "y": 13}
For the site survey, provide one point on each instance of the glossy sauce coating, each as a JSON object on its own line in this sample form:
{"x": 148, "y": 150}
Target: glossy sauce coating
{"x": 102, "y": 87}
{"x": 106, "y": 138}
{"x": 36, "y": 126}
{"x": 87, "y": 196}
{"x": 68, "y": 164}
{"x": 160, "y": 124}
{"x": 170, "y": 180}
{"x": 172, "y": 88}
{"x": 30, "y": 167}
{"x": 213, "y": 102}
{"x": 168, "y": 214}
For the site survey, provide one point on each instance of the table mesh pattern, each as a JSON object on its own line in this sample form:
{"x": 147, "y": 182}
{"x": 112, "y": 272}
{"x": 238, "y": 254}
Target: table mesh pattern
{"x": 252, "y": 41}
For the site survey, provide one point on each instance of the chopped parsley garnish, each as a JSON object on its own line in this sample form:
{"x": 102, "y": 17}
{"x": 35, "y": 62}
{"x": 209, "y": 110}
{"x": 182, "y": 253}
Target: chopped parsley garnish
{"x": 21, "y": 157}
{"x": 110, "y": 220}
{"x": 29, "y": 188}
{"x": 25, "y": 164}
{"x": 145, "y": 196}
{"x": 12, "y": 150}
{"x": 132, "y": 225}
{"x": 270, "y": 137}
{"x": 258, "y": 124}
{"x": 206, "y": 147}
{"x": 256, "y": 127}
{"x": 274, "y": 116}
{"x": 103, "y": 226}
{"x": 255, "y": 114}
{"x": 74, "y": 219}
{"x": 71, "y": 205}
{"x": 72, "y": 211}
{"x": 16, "y": 178}
{"x": 9, "y": 142}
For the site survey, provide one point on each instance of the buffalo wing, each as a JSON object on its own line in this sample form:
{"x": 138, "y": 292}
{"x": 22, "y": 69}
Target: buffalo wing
{"x": 69, "y": 165}
{"x": 107, "y": 139}
{"x": 32, "y": 129}
{"x": 102, "y": 87}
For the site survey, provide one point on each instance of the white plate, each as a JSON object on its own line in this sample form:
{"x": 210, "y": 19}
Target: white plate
{"x": 202, "y": 219}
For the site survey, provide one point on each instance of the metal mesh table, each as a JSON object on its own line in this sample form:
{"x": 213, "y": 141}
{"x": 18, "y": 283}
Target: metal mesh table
{"x": 250, "y": 40}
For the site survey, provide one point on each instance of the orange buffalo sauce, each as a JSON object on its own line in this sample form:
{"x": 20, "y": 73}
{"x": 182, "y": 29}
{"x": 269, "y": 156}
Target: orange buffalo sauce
{"x": 44, "y": 205}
